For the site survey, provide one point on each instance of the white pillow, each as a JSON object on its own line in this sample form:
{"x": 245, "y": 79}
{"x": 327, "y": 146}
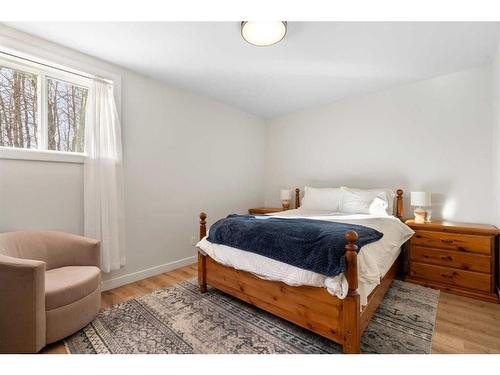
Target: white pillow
{"x": 327, "y": 199}
{"x": 390, "y": 197}
{"x": 378, "y": 207}
{"x": 366, "y": 201}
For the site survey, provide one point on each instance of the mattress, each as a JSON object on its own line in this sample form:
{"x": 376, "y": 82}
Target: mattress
{"x": 374, "y": 260}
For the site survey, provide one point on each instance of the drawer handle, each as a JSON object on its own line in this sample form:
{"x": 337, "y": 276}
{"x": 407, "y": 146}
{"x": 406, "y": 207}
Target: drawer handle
{"x": 447, "y": 241}
{"x": 447, "y": 258}
{"x": 447, "y": 276}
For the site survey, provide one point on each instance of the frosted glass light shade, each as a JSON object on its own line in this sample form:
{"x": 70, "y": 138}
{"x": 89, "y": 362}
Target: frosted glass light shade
{"x": 263, "y": 33}
{"x": 285, "y": 195}
{"x": 420, "y": 199}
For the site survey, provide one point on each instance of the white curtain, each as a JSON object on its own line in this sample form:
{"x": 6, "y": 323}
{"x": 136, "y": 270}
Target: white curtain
{"x": 103, "y": 177}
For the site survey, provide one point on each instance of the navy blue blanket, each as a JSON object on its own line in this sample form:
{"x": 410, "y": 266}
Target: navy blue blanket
{"x": 314, "y": 245}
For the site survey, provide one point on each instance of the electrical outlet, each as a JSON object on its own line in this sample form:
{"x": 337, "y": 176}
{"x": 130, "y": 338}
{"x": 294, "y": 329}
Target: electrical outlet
{"x": 194, "y": 241}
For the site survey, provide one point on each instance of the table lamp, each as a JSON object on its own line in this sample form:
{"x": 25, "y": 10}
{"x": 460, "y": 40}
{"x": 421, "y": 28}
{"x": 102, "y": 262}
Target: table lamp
{"x": 420, "y": 199}
{"x": 285, "y": 196}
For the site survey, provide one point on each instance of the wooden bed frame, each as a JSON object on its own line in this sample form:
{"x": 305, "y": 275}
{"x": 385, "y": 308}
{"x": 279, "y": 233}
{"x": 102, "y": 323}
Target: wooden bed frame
{"x": 313, "y": 308}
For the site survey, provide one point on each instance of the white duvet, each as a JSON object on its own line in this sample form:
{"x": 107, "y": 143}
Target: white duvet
{"x": 374, "y": 260}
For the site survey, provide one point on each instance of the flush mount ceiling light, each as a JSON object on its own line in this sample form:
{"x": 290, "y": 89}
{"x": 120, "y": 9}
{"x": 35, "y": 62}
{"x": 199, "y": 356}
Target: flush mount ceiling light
{"x": 263, "y": 33}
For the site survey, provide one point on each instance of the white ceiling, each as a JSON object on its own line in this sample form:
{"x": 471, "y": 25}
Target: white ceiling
{"x": 316, "y": 63}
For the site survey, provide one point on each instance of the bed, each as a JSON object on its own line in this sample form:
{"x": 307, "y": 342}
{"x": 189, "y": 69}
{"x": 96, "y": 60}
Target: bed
{"x": 338, "y": 308}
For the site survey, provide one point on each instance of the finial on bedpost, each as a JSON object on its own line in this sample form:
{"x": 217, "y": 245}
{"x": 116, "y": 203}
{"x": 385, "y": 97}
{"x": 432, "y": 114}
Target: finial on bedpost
{"x": 351, "y": 261}
{"x": 203, "y": 225}
{"x": 297, "y": 198}
{"x": 399, "y": 204}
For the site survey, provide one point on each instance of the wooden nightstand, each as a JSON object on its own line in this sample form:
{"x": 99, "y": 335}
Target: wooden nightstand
{"x": 264, "y": 210}
{"x": 455, "y": 257}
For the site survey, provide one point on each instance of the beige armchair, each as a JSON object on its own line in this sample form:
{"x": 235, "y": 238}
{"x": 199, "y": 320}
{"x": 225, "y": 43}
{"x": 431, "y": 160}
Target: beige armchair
{"x": 50, "y": 287}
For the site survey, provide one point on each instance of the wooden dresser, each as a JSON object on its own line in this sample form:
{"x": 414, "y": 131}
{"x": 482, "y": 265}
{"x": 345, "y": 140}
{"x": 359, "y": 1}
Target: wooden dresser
{"x": 264, "y": 210}
{"x": 458, "y": 258}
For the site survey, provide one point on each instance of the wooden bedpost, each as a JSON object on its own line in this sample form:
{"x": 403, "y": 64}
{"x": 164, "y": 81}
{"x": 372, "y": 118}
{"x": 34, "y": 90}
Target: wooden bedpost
{"x": 399, "y": 204}
{"x": 351, "y": 304}
{"x": 203, "y": 225}
{"x": 202, "y": 262}
{"x": 297, "y": 198}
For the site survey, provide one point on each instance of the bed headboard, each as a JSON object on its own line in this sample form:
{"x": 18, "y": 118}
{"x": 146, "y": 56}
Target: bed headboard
{"x": 399, "y": 209}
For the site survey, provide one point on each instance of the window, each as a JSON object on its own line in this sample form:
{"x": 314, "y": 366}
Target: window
{"x": 18, "y": 108}
{"x": 42, "y": 109}
{"x": 66, "y": 116}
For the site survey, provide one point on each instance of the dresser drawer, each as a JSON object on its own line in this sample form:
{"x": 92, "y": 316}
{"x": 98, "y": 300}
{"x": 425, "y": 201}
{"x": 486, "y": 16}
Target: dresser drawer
{"x": 450, "y": 276}
{"x": 453, "y": 241}
{"x": 449, "y": 258}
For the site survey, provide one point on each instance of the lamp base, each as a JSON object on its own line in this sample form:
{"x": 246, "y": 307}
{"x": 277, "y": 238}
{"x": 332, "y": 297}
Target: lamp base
{"x": 420, "y": 216}
{"x": 285, "y": 204}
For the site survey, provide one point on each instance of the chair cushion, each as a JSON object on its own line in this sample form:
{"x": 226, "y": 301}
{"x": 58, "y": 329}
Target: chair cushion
{"x": 66, "y": 285}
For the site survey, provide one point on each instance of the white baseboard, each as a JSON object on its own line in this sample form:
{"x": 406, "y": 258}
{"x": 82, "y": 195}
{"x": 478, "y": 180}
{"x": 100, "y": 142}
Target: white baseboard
{"x": 148, "y": 272}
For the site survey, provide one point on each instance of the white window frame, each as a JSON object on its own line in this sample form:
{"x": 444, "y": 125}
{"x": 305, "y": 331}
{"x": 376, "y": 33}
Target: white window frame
{"x": 44, "y": 72}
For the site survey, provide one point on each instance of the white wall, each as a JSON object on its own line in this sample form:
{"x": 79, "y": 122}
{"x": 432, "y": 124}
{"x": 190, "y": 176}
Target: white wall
{"x": 41, "y": 195}
{"x": 182, "y": 154}
{"x": 495, "y": 67}
{"x": 496, "y": 134}
{"x": 433, "y": 135}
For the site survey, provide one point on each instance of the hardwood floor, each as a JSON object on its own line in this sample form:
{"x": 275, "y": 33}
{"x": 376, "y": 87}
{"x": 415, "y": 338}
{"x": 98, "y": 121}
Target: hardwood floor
{"x": 463, "y": 325}
{"x": 466, "y": 325}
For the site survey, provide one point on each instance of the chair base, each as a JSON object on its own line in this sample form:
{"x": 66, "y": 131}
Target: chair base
{"x": 66, "y": 320}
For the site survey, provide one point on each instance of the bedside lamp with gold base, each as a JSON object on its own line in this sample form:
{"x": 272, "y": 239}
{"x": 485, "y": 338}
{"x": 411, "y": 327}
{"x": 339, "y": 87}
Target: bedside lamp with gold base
{"x": 420, "y": 199}
{"x": 285, "y": 196}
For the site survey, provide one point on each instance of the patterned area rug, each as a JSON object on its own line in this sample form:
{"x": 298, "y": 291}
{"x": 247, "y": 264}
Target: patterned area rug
{"x": 179, "y": 319}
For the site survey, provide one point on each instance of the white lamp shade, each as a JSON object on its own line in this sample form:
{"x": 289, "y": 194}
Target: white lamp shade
{"x": 285, "y": 195}
{"x": 420, "y": 198}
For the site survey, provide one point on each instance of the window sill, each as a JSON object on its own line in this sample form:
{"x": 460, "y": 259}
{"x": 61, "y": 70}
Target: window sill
{"x": 41, "y": 155}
